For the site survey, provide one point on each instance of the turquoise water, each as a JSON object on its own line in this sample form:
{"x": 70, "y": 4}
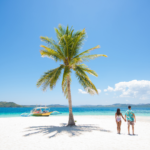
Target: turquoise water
{"x": 16, "y": 112}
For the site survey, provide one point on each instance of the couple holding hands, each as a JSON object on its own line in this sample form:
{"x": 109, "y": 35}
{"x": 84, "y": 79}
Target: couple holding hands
{"x": 129, "y": 117}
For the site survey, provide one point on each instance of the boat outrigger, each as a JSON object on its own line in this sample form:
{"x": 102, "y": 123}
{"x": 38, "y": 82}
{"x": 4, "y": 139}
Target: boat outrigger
{"x": 40, "y": 111}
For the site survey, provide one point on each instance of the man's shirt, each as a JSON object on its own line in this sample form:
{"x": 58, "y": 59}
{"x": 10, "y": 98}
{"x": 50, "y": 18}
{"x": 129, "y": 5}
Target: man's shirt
{"x": 129, "y": 115}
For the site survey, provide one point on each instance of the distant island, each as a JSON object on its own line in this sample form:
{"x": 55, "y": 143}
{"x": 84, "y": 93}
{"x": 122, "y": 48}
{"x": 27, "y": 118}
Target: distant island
{"x": 55, "y": 105}
{"x": 118, "y": 105}
{"x": 9, "y": 104}
{"x": 12, "y": 104}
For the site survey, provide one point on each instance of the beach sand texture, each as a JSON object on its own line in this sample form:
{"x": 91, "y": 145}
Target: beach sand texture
{"x": 91, "y": 133}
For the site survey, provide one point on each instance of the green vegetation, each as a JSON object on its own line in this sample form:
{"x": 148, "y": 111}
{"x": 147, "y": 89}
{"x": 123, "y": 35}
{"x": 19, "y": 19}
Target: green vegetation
{"x": 118, "y": 105}
{"x": 9, "y": 104}
{"x": 67, "y": 50}
{"x": 56, "y": 105}
{"x": 12, "y": 104}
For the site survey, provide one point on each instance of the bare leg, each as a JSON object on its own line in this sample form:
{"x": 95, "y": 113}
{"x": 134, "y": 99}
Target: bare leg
{"x": 128, "y": 128}
{"x": 119, "y": 127}
{"x": 132, "y": 129}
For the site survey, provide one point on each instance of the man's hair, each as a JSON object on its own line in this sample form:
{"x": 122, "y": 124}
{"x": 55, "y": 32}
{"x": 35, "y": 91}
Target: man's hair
{"x": 129, "y": 107}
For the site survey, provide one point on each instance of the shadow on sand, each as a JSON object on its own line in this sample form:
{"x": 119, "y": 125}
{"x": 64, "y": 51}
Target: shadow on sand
{"x": 133, "y": 134}
{"x": 53, "y": 131}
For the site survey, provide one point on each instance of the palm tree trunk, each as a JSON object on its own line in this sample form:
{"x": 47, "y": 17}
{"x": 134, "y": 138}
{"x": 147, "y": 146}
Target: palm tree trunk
{"x": 71, "y": 119}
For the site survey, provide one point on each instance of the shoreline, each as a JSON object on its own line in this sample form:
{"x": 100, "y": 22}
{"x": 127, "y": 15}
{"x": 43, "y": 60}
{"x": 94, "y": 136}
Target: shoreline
{"x": 139, "y": 118}
{"x": 60, "y": 115}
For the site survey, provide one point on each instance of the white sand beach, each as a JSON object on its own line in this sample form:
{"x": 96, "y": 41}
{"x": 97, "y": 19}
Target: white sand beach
{"x": 91, "y": 133}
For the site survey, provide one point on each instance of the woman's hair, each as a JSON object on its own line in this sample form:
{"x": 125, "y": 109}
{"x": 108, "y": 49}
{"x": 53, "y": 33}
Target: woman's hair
{"x": 118, "y": 111}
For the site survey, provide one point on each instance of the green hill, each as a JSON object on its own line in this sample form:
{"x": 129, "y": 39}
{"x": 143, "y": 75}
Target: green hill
{"x": 118, "y": 105}
{"x": 9, "y": 104}
{"x": 12, "y": 104}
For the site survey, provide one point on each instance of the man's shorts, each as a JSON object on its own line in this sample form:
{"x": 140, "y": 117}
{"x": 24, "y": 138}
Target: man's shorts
{"x": 130, "y": 122}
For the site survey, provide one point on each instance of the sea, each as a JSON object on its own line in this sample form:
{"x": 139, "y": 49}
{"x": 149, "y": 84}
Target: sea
{"x": 18, "y": 112}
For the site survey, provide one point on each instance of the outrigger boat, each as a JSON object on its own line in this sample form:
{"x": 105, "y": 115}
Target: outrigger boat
{"x": 40, "y": 111}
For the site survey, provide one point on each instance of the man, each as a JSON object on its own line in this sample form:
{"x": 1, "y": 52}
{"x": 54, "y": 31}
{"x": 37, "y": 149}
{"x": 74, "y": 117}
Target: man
{"x": 130, "y": 117}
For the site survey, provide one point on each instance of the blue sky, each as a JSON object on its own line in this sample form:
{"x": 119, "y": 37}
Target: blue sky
{"x": 121, "y": 28}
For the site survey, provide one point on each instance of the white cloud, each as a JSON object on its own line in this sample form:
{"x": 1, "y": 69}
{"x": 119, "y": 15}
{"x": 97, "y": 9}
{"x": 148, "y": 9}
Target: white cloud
{"x": 85, "y": 92}
{"x": 99, "y": 91}
{"x": 143, "y": 97}
{"x": 81, "y": 91}
{"x": 110, "y": 89}
{"x": 134, "y": 88}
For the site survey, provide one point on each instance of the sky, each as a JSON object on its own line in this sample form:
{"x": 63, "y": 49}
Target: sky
{"x": 121, "y": 28}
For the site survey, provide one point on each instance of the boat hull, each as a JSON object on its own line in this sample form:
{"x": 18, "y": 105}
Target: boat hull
{"x": 41, "y": 114}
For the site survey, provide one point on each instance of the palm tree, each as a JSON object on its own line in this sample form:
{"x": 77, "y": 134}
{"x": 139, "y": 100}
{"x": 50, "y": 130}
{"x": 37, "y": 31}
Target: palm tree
{"x": 67, "y": 50}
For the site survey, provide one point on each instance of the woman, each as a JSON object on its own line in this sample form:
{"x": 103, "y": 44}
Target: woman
{"x": 118, "y": 116}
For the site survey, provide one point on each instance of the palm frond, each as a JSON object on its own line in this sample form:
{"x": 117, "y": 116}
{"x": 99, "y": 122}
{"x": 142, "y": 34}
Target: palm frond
{"x": 89, "y": 57}
{"x": 65, "y": 88}
{"x": 66, "y": 73}
{"x": 75, "y": 61}
{"x": 78, "y": 39}
{"x": 86, "y": 82}
{"x": 64, "y": 80}
{"x": 53, "y": 45}
{"x": 86, "y": 69}
{"x": 59, "y": 34}
{"x": 83, "y": 78}
{"x": 56, "y": 77}
{"x": 51, "y": 53}
{"x": 66, "y": 42}
{"x": 87, "y": 51}
{"x": 61, "y": 31}
{"x": 50, "y": 78}
{"x": 80, "y": 71}
{"x": 46, "y": 39}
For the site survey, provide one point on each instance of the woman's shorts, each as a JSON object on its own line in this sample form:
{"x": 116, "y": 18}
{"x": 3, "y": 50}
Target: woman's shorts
{"x": 130, "y": 122}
